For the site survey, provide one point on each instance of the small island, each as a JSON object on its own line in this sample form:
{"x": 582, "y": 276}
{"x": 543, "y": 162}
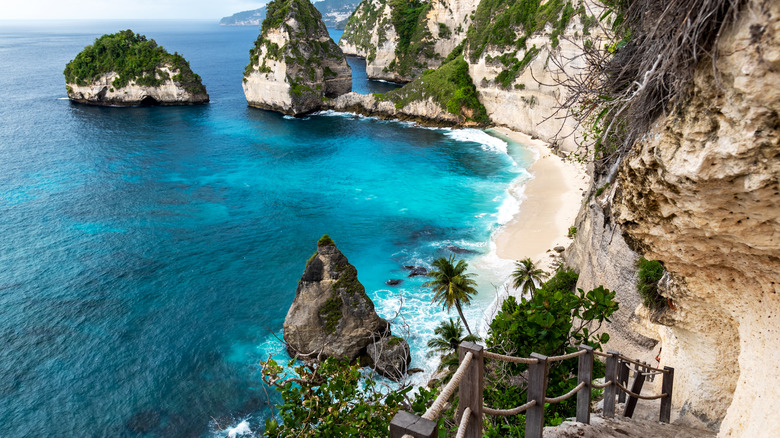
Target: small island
{"x": 127, "y": 69}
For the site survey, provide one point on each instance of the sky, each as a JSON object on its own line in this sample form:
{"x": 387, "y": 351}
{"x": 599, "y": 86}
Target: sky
{"x": 124, "y": 9}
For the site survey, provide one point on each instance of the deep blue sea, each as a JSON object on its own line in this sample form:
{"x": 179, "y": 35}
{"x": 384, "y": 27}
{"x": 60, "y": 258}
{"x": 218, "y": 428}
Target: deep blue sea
{"x": 148, "y": 256}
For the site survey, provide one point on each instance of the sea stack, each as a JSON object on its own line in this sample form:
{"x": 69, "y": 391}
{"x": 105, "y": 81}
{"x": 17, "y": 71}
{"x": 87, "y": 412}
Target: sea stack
{"x": 331, "y": 316}
{"x": 294, "y": 65}
{"x": 127, "y": 69}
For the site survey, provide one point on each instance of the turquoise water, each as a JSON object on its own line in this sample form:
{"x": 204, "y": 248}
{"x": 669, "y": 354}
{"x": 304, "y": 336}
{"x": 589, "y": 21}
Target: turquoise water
{"x": 149, "y": 255}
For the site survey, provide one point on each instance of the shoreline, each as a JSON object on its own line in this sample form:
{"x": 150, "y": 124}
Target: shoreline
{"x": 549, "y": 205}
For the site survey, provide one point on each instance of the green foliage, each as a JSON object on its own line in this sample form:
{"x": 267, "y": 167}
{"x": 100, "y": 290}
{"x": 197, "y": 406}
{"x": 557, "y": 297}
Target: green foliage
{"x": 394, "y": 340}
{"x": 452, "y": 286}
{"x": 449, "y": 335}
{"x": 325, "y": 240}
{"x": 415, "y": 41}
{"x": 554, "y": 321}
{"x": 444, "y": 31}
{"x": 506, "y": 77}
{"x": 572, "y": 232}
{"x": 601, "y": 189}
{"x": 133, "y": 58}
{"x": 331, "y": 313}
{"x": 332, "y": 398}
{"x": 450, "y": 85}
{"x": 348, "y": 280}
{"x": 650, "y": 273}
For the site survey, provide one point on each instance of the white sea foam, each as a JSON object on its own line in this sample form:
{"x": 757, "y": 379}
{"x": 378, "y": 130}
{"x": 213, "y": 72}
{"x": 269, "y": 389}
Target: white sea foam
{"x": 240, "y": 430}
{"x": 63, "y": 98}
{"x": 485, "y": 140}
{"x": 514, "y": 197}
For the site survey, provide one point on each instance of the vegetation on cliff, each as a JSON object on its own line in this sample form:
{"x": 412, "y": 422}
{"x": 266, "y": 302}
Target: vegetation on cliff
{"x": 449, "y": 85}
{"x": 648, "y": 276}
{"x": 134, "y": 58}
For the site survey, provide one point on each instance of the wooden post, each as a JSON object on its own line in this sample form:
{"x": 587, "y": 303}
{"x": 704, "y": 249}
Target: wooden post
{"x": 537, "y": 388}
{"x": 623, "y": 371}
{"x": 666, "y": 388}
{"x": 404, "y": 423}
{"x": 471, "y": 387}
{"x": 636, "y": 388}
{"x": 611, "y": 390}
{"x": 584, "y": 374}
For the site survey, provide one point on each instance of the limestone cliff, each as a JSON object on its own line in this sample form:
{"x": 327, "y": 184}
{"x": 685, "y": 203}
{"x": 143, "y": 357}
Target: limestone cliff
{"x": 125, "y": 69}
{"x": 400, "y": 39}
{"x": 510, "y": 57}
{"x": 294, "y": 65}
{"x": 331, "y": 315}
{"x": 445, "y": 96}
{"x": 700, "y": 193}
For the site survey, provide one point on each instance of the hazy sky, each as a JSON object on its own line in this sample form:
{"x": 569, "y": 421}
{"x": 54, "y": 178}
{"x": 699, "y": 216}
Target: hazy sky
{"x": 121, "y": 9}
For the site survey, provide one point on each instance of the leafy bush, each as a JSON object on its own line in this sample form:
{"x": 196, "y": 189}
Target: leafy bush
{"x": 650, "y": 273}
{"x": 572, "y": 232}
{"x": 133, "y": 58}
{"x": 554, "y": 321}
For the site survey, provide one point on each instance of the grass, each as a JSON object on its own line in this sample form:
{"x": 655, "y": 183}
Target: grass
{"x": 650, "y": 273}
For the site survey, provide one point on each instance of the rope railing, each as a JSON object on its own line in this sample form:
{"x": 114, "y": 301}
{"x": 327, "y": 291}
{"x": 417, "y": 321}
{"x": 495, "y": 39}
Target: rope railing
{"x": 563, "y": 397}
{"x": 469, "y": 379}
{"x": 509, "y": 412}
{"x": 641, "y": 397}
{"x": 565, "y": 356}
{"x": 464, "y": 423}
{"x": 513, "y": 359}
{"x": 438, "y": 405}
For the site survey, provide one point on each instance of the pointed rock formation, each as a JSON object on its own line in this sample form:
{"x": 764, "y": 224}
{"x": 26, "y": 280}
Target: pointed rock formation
{"x": 125, "y": 69}
{"x": 295, "y": 64}
{"x": 331, "y": 315}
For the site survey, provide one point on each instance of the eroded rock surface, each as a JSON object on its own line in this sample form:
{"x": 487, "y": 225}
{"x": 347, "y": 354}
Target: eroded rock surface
{"x": 391, "y": 356}
{"x": 295, "y": 64}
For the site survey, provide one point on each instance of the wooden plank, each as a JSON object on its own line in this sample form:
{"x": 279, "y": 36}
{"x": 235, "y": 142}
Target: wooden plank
{"x": 537, "y": 388}
{"x": 611, "y": 391}
{"x": 666, "y": 402}
{"x": 471, "y": 388}
{"x": 404, "y": 423}
{"x": 584, "y": 374}
{"x": 636, "y": 388}
{"x": 623, "y": 371}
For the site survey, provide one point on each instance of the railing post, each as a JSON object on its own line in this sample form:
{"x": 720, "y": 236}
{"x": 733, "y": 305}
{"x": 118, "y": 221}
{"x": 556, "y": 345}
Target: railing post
{"x": 471, "y": 388}
{"x": 636, "y": 388}
{"x": 537, "y": 388}
{"x": 623, "y": 371}
{"x": 611, "y": 390}
{"x": 666, "y": 388}
{"x": 584, "y": 374}
{"x": 404, "y": 423}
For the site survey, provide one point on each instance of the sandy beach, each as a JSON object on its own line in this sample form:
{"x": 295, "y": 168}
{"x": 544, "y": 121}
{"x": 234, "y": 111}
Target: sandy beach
{"x": 549, "y": 207}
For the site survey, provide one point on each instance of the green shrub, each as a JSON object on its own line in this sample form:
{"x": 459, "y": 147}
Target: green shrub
{"x": 572, "y": 232}
{"x": 650, "y": 273}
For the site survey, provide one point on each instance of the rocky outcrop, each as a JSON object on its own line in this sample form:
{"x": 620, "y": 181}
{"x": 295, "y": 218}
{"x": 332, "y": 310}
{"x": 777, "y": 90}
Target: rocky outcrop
{"x": 127, "y": 69}
{"x": 400, "y": 40}
{"x": 700, "y": 194}
{"x": 334, "y": 14}
{"x": 331, "y": 315}
{"x": 425, "y": 112}
{"x": 391, "y": 357}
{"x": 294, "y": 65}
{"x": 518, "y": 80}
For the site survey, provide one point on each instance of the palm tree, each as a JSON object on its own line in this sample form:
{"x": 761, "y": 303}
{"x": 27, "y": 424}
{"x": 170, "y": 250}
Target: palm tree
{"x": 449, "y": 336}
{"x": 526, "y": 275}
{"x": 452, "y": 285}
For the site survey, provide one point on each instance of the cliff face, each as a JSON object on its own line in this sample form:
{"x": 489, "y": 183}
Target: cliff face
{"x": 294, "y": 65}
{"x": 103, "y": 92}
{"x": 334, "y": 14}
{"x": 701, "y": 194}
{"x": 402, "y": 39}
{"x": 510, "y": 61}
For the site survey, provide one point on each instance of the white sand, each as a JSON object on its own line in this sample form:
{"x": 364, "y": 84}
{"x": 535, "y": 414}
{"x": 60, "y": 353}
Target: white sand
{"x": 551, "y": 202}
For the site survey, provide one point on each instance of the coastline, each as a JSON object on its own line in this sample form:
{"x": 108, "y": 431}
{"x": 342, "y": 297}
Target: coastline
{"x": 549, "y": 205}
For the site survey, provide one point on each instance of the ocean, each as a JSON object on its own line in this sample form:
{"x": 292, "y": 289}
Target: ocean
{"x": 148, "y": 256}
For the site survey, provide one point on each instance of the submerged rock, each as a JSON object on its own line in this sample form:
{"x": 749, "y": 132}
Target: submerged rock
{"x": 127, "y": 69}
{"x": 394, "y": 282}
{"x": 417, "y": 271}
{"x": 331, "y": 315}
{"x": 295, "y": 65}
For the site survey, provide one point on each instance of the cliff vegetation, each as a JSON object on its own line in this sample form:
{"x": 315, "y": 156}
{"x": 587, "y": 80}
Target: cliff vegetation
{"x": 135, "y": 59}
